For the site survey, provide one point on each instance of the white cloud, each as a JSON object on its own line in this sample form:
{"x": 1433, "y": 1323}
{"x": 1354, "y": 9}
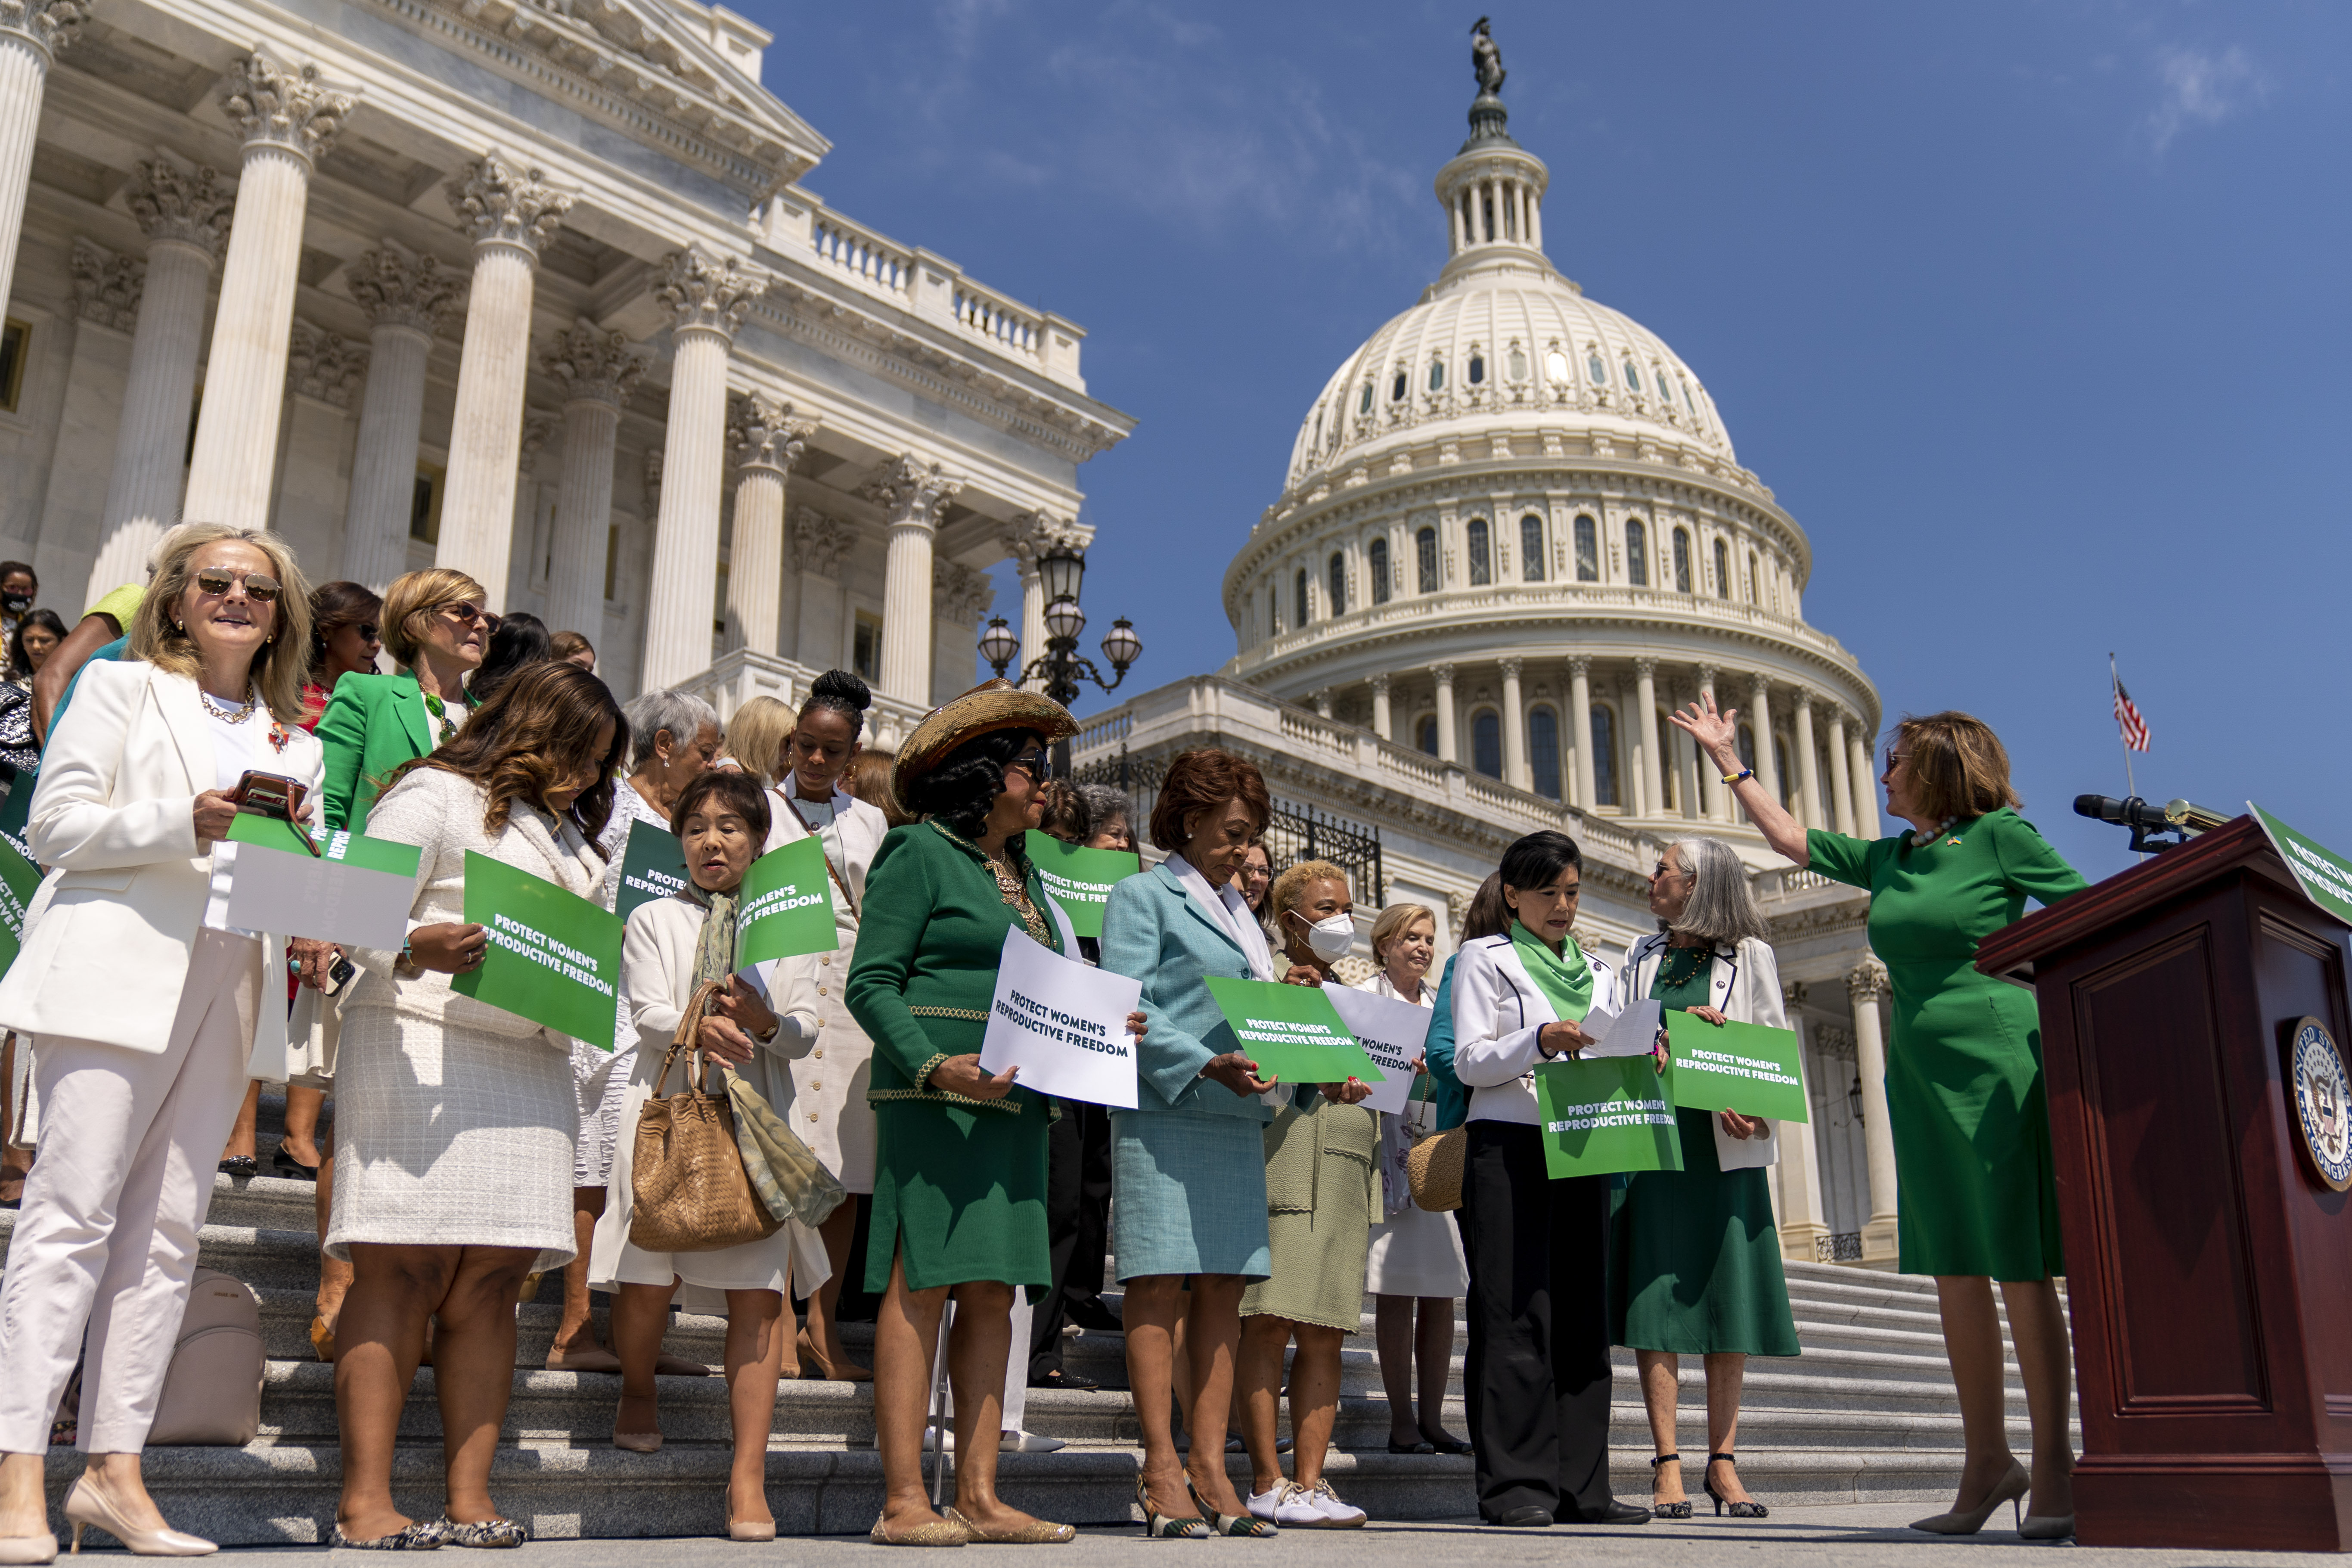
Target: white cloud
{"x": 2201, "y": 88}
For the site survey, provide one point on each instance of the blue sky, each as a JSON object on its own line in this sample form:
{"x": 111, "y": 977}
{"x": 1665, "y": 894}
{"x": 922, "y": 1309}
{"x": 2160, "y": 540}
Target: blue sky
{"x": 2033, "y": 315}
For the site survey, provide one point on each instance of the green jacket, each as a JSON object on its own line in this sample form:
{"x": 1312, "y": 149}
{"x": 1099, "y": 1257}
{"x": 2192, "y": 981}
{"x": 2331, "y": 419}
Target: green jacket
{"x": 930, "y": 934}
{"x": 372, "y": 725}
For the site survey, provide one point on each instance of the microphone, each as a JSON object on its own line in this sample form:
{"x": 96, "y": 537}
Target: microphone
{"x": 2132, "y": 812}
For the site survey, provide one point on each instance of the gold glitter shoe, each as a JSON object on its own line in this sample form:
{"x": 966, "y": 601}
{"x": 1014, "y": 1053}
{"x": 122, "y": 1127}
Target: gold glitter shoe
{"x": 1036, "y": 1532}
{"x": 939, "y": 1533}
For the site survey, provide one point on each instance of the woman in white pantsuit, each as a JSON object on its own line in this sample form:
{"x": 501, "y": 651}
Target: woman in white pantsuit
{"x": 453, "y": 1167}
{"x": 150, "y": 1014}
{"x": 829, "y": 1084}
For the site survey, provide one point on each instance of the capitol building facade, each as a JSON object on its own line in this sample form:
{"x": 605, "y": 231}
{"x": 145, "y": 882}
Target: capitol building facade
{"x": 1512, "y": 536}
{"x": 527, "y": 287}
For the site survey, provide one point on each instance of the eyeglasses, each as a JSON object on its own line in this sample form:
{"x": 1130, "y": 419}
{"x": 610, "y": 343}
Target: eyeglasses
{"x": 370, "y": 632}
{"x": 469, "y": 614}
{"x": 1035, "y": 764}
{"x": 260, "y": 589}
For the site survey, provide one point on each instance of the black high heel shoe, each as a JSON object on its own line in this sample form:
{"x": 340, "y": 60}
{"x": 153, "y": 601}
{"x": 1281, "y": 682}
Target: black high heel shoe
{"x": 1672, "y": 1509}
{"x": 287, "y": 1165}
{"x": 1745, "y": 1508}
{"x": 244, "y": 1167}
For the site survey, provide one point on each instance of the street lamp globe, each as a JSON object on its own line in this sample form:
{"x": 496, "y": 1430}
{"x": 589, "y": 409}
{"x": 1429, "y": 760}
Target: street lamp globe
{"x": 999, "y": 644}
{"x": 1060, "y": 571}
{"x": 1065, "y": 621}
{"x": 1122, "y": 647}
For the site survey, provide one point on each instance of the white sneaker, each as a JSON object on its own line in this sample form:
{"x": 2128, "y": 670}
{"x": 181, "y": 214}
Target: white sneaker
{"x": 1336, "y": 1515}
{"x": 1287, "y": 1506}
{"x": 1030, "y": 1443}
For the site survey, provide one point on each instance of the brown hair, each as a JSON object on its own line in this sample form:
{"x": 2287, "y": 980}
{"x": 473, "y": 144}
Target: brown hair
{"x": 1066, "y": 812}
{"x": 869, "y": 779}
{"x": 756, "y": 733}
{"x": 1203, "y": 779}
{"x": 536, "y": 733}
{"x": 1958, "y": 766}
{"x": 1397, "y": 920}
{"x": 333, "y": 607}
{"x": 566, "y": 644}
{"x": 414, "y": 594}
{"x": 279, "y": 665}
{"x": 738, "y": 792}
{"x": 1488, "y": 915}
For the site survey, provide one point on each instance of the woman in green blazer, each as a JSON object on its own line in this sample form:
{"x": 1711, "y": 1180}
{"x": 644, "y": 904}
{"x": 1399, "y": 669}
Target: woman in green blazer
{"x": 960, "y": 1157}
{"x": 436, "y": 628}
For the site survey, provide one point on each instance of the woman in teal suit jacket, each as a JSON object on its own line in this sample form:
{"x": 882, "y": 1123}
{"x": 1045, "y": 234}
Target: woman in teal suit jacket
{"x": 1188, "y": 1162}
{"x": 436, "y": 628}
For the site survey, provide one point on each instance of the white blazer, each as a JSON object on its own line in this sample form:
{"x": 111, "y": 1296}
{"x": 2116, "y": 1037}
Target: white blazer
{"x": 862, "y": 828}
{"x": 1744, "y": 985}
{"x": 108, "y": 936}
{"x": 1498, "y": 1010}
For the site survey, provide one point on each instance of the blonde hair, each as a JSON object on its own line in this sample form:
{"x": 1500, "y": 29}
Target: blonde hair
{"x": 756, "y": 733}
{"x": 1397, "y": 920}
{"x": 279, "y": 665}
{"x": 416, "y": 594}
{"x": 1286, "y": 886}
{"x": 1958, "y": 766}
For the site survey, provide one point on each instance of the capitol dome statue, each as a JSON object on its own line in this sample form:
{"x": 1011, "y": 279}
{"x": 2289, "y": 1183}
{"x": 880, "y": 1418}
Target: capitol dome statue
{"x": 1514, "y": 533}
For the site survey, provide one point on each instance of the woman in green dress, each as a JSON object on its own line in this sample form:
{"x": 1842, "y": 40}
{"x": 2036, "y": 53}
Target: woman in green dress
{"x": 960, "y": 1156}
{"x": 1695, "y": 1257}
{"x": 1976, "y": 1198}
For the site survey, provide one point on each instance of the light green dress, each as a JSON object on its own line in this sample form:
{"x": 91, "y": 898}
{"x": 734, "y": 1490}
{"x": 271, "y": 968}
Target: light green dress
{"x": 1975, "y": 1193}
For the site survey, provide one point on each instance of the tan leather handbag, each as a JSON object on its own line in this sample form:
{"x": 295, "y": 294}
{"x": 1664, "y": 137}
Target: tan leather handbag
{"x": 212, "y": 1390}
{"x": 1434, "y": 1166}
{"x": 688, "y": 1188}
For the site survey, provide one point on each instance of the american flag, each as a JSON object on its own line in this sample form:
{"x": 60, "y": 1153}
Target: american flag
{"x": 2127, "y": 715}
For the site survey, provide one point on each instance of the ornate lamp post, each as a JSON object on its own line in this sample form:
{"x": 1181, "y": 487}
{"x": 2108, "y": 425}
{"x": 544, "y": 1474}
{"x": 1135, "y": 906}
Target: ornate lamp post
{"x": 1062, "y": 667}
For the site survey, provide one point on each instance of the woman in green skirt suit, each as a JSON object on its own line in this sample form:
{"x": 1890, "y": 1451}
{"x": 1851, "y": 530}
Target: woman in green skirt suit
{"x": 1694, "y": 1264}
{"x": 1976, "y": 1198}
{"x": 960, "y": 1156}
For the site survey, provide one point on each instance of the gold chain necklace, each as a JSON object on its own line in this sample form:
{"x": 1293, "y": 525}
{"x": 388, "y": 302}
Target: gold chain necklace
{"x": 252, "y": 701}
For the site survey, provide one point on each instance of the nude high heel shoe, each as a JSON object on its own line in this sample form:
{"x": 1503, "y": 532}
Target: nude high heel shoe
{"x": 87, "y": 1507}
{"x": 26, "y": 1550}
{"x": 2010, "y": 1490}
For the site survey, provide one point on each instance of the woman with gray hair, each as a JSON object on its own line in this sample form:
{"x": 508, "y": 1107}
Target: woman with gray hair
{"x": 1695, "y": 1264}
{"x": 1109, "y": 817}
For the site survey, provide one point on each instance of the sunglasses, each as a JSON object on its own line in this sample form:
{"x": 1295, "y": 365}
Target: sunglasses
{"x": 370, "y": 632}
{"x": 260, "y": 589}
{"x": 470, "y": 614}
{"x": 1035, "y": 764}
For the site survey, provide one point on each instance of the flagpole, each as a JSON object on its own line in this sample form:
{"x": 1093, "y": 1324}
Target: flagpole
{"x": 2114, "y": 691}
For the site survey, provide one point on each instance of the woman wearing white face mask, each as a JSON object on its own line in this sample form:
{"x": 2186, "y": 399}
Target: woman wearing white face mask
{"x": 1322, "y": 1193}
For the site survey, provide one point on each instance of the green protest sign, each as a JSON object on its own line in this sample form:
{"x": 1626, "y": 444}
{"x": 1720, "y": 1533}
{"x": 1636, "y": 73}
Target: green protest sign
{"x": 1079, "y": 880}
{"x": 1605, "y": 1116}
{"x": 554, "y": 957}
{"x": 653, "y": 867}
{"x": 2325, "y": 875}
{"x": 18, "y": 880}
{"x": 1292, "y": 1032}
{"x": 787, "y": 907}
{"x": 1745, "y": 1067}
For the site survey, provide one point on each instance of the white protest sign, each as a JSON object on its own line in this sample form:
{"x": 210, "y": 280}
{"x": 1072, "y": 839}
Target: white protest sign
{"x": 1633, "y": 1032}
{"x": 1063, "y": 1024}
{"x": 1392, "y": 1033}
{"x": 355, "y": 890}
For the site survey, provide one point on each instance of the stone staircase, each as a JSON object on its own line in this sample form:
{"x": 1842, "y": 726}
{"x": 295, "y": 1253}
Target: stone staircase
{"x": 1867, "y": 1414}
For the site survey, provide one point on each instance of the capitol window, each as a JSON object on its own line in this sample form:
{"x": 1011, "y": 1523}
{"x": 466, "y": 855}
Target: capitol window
{"x": 1588, "y": 550}
{"x": 1682, "y": 562}
{"x": 1338, "y": 573}
{"x": 1604, "y": 756}
{"x": 1424, "y": 733}
{"x": 1531, "y": 548}
{"x": 1519, "y": 363}
{"x": 1299, "y": 594}
{"x": 1376, "y": 559}
{"x": 1481, "y": 551}
{"x": 1543, "y": 751}
{"x": 1486, "y": 742}
{"x": 1364, "y": 404}
{"x": 1787, "y": 780}
{"x": 1478, "y": 369}
{"x": 1396, "y": 393}
{"x": 1437, "y": 375}
{"x": 1425, "y": 545}
{"x": 1596, "y": 370}
{"x": 1556, "y": 368}
{"x": 1722, "y": 571}
{"x": 1632, "y": 377}
{"x": 1751, "y": 577}
{"x": 1637, "y": 553}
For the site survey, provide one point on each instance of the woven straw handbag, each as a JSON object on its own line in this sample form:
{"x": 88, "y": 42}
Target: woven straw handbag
{"x": 688, "y": 1188}
{"x": 1434, "y": 1167}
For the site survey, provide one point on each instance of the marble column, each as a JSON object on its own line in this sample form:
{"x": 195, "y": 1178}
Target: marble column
{"x": 405, "y": 297}
{"x": 31, "y": 33}
{"x": 1840, "y": 776}
{"x": 1866, "y": 785}
{"x": 766, "y": 440}
{"x": 705, "y": 296}
{"x": 1809, "y": 767}
{"x": 1381, "y": 721}
{"x": 1447, "y": 751}
{"x": 599, "y": 370}
{"x": 185, "y": 213}
{"x": 1654, "y": 772}
{"x": 912, "y": 494}
{"x": 1759, "y": 723}
{"x": 1803, "y": 1217}
{"x": 1865, "y": 984}
{"x": 510, "y": 212}
{"x": 1516, "y": 772}
{"x": 1714, "y": 797}
{"x": 1579, "y": 720}
{"x": 288, "y": 117}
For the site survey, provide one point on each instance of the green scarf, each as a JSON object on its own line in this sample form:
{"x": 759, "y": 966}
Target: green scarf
{"x": 714, "y": 947}
{"x": 1564, "y": 978}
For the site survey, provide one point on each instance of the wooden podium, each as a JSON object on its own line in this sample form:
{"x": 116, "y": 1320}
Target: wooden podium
{"x": 2210, "y": 1266}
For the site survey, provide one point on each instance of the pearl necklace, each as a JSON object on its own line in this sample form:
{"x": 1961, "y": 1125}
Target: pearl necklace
{"x": 252, "y": 701}
{"x": 1922, "y": 837}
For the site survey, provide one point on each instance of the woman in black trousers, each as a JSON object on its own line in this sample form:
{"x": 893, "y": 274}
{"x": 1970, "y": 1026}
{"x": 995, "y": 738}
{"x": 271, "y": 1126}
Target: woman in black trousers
{"x": 1537, "y": 1379}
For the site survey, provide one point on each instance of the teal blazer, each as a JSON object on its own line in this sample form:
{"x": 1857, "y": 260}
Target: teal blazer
{"x": 372, "y": 725}
{"x": 1154, "y": 932}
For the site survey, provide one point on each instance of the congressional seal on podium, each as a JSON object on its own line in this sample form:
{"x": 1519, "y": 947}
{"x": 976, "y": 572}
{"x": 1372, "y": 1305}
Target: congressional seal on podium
{"x": 2323, "y": 1101}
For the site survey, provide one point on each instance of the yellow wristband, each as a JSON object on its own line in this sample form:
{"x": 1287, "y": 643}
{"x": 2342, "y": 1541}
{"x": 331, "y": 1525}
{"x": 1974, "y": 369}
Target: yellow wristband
{"x": 1743, "y": 774}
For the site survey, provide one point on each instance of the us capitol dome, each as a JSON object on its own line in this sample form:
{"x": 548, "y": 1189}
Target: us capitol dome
{"x": 1514, "y": 532}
